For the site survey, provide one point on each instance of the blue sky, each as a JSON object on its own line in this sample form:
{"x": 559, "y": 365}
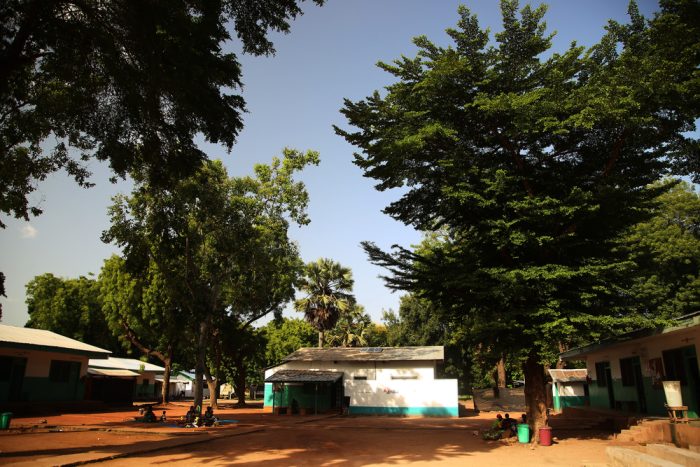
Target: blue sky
{"x": 293, "y": 99}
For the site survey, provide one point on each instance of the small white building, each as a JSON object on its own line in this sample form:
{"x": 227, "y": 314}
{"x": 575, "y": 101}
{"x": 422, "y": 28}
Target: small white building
{"x": 569, "y": 388}
{"x": 370, "y": 380}
{"x": 39, "y": 365}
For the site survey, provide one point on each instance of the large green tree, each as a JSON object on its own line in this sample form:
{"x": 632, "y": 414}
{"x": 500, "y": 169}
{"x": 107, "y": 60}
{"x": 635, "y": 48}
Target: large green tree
{"x": 70, "y": 307}
{"x": 126, "y": 82}
{"x": 210, "y": 235}
{"x": 327, "y": 286}
{"x": 352, "y": 329}
{"x": 141, "y": 313}
{"x": 534, "y": 162}
{"x": 284, "y": 336}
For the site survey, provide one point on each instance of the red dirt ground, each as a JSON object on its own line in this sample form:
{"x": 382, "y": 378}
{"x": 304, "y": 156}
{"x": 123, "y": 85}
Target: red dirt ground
{"x": 260, "y": 438}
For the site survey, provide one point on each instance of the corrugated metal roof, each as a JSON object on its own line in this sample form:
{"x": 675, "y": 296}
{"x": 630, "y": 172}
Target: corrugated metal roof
{"x": 175, "y": 379}
{"x": 363, "y": 354}
{"x": 125, "y": 364}
{"x": 574, "y": 375}
{"x": 112, "y": 373}
{"x": 13, "y": 336}
{"x": 304, "y": 376}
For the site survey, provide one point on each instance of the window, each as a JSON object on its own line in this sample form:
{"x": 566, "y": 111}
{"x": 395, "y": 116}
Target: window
{"x": 60, "y": 371}
{"x": 600, "y": 368}
{"x": 673, "y": 363}
{"x": 5, "y": 368}
{"x": 359, "y": 378}
{"x": 627, "y": 371}
{"x": 404, "y": 376}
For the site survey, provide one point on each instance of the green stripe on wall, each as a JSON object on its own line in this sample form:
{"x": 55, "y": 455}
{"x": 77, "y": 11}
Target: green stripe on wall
{"x": 419, "y": 411}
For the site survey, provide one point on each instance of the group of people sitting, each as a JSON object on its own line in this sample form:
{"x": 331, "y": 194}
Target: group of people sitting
{"x": 194, "y": 418}
{"x": 504, "y": 427}
{"x": 149, "y": 416}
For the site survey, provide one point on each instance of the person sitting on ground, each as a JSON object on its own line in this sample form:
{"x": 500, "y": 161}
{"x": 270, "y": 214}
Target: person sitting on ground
{"x": 163, "y": 417}
{"x": 149, "y": 416}
{"x": 509, "y": 426}
{"x": 209, "y": 418}
{"x": 496, "y": 430}
{"x": 190, "y": 415}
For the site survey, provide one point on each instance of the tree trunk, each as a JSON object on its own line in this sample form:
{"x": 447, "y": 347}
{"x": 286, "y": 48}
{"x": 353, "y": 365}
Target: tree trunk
{"x": 168, "y": 362}
{"x": 212, "y": 383}
{"x": 501, "y": 372}
{"x": 199, "y": 366}
{"x": 535, "y": 395}
{"x": 320, "y": 339}
{"x": 240, "y": 377}
{"x": 561, "y": 363}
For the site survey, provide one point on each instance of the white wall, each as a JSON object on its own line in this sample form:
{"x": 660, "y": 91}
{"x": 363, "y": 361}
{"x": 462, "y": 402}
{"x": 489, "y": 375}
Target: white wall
{"x": 646, "y": 348}
{"x": 39, "y": 362}
{"x": 571, "y": 389}
{"x": 408, "y": 393}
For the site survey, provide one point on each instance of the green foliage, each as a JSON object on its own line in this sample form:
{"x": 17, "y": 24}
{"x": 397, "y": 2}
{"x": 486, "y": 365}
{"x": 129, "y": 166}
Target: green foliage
{"x": 70, "y": 307}
{"x": 667, "y": 251}
{"x": 533, "y": 165}
{"x": 219, "y": 244}
{"x": 352, "y": 328}
{"x": 285, "y": 336}
{"x": 139, "y": 311}
{"x": 126, "y": 82}
{"x": 328, "y": 289}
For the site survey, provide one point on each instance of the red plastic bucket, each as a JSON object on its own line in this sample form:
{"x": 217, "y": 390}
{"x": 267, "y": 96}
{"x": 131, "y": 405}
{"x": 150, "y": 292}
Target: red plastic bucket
{"x": 545, "y": 436}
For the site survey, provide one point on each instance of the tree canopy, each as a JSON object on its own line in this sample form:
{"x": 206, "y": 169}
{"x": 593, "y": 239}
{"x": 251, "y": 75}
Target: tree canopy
{"x": 126, "y": 82}
{"x": 70, "y": 307}
{"x": 534, "y": 163}
{"x": 214, "y": 239}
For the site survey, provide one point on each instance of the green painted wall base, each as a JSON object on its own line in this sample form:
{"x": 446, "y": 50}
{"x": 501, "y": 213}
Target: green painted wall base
{"x": 573, "y": 401}
{"x": 416, "y": 411}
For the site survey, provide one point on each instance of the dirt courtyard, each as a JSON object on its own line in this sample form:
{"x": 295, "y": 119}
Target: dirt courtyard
{"x": 256, "y": 437}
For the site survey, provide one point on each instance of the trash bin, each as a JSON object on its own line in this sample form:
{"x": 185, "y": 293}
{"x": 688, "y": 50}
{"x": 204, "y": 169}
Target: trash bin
{"x": 5, "y": 418}
{"x": 545, "y": 436}
{"x": 523, "y": 433}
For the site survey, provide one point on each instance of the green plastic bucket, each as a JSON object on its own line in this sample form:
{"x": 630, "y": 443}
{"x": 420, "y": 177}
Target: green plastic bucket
{"x": 523, "y": 433}
{"x": 5, "y": 418}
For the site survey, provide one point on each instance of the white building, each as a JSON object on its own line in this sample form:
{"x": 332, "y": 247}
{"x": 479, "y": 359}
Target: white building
{"x": 374, "y": 380}
{"x": 39, "y": 365}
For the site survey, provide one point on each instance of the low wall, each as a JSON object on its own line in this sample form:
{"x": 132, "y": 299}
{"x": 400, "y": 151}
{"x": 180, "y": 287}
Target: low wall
{"x": 436, "y": 397}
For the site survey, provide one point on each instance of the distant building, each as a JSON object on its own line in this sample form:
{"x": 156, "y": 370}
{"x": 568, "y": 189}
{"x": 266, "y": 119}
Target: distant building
{"x": 374, "y": 380}
{"x": 569, "y": 388}
{"x": 124, "y": 379}
{"x": 627, "y": 371}
{"x": 39, "y": 365}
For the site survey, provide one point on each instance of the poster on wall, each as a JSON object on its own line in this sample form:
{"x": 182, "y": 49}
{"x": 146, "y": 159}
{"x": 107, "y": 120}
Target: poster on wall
{"x": 656, "y": 371}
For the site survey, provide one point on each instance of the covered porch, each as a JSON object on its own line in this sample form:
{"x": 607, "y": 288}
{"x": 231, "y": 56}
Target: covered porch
{"x": 292, "y": 392}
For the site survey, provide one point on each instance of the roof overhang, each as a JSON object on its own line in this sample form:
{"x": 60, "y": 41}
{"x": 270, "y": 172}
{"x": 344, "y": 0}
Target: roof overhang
{"x": 112, "y": 373}
{"x": 571, "y": 375}
{"x": 641, "y": 335}
{"x": 304, "y": 376}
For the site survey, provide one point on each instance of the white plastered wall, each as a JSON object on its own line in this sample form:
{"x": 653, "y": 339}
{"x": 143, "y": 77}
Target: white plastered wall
{"x": 403, "y": 393}
{"x": 646, "y": 349}
{"x": 39, "y": 362}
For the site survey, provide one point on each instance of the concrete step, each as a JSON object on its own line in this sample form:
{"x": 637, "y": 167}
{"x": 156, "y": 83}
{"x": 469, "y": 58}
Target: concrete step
{"x": 680, "y": 456}
{"x": 625, "y": 457}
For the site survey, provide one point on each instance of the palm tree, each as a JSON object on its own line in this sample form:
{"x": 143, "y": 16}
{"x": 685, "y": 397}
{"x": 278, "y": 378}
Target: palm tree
{"x": 328, "y": 289}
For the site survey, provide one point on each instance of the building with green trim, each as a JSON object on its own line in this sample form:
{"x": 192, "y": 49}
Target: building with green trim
{"x": 627, "y": 372}
{"x": 374, "y": 380}
{"x": 39, "y": 365}
{"x": 569, "y": 388}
